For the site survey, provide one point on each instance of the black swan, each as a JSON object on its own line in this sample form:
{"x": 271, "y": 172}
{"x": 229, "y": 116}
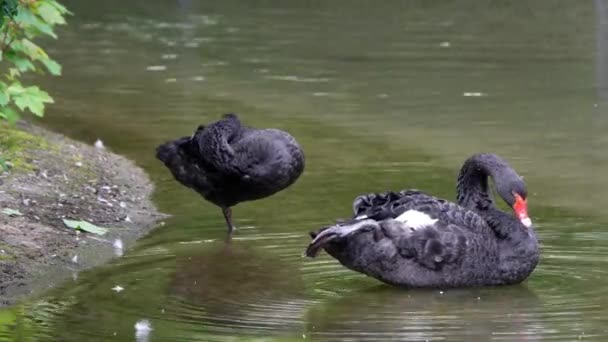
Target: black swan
{"x": 228, "y": 163}
{"x": 414, "y": 240}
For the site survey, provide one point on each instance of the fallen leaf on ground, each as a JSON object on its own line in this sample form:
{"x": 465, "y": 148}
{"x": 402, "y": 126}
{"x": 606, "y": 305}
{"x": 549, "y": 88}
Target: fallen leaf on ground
{"x": 11, "y": 212}
{"x": 85, "y": 226}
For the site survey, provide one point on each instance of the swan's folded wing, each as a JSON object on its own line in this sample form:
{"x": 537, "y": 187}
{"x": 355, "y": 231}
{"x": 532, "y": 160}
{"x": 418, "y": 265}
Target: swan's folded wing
{"x": 375, "y": 203}
{"x": 370, "y": 246}
{"x": 432, "y": 246}
{"x": 392, "y": 205}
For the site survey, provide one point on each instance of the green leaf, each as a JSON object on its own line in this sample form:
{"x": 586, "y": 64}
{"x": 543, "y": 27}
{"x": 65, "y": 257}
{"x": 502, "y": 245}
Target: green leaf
{"x": 59, "y": 7}
{"x": 50, "y": 14}
{"x": 53, "y": 67}
{"x": 32, "y": 98}
{"x": 21, "y": 63}
{"x": 15, "y": 88}
{"x": 15, "y": 54}
{"x": 13, "y": 72}
{"x": 32, "y": 50}
{"x": 9, "y": 115}
{"x": 11, "y": 212}
{"x": 32, "y": 25}
{"x": 9, "y": 8}
{"x": 85, "y": 226}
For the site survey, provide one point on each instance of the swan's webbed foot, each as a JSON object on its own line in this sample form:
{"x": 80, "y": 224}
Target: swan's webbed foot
{"x": 228, "y": 217}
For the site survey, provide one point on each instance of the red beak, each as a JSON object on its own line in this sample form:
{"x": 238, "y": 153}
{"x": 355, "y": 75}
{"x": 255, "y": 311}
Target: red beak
{"x": 521, "y": 210}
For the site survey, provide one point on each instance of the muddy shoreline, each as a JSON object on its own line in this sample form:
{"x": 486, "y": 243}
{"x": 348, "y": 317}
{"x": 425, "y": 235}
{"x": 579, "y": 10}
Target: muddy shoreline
{"x": 52, "y": 178}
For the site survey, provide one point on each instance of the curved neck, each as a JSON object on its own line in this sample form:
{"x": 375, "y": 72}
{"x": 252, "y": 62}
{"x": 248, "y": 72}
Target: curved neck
{"x": 472, "y": 190}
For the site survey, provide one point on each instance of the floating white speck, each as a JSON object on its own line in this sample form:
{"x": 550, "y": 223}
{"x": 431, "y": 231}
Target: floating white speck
{"x": 75, "y": 259}
{"x": 171, "y": 80}
{"x": 198, "y": 78}
{"x": 156, "y": 68}
{"x": 169, "y": 56}
{"x": 207, "y": 20}
{"x": 473, "y": 94}
{"x": 440, "y": 292}
{"x": 382, "y": 96}
{"x": 444, "y": 44}
{"x": 117, "y": 288}
{"x": 99, "y": 144}
{"x": 192, "y": 45}
{"x": 195, "y": 242}
{"x": 117, "y": 243}
{"x": 142, "y": 330}
{"x": 128, "y": 219}
{"x": 298, "y": 79}
{"x": 216, "y": 63}
{"x": 79, "y": 164}
{"x": 118, "y": 249}
{"x": 320, "y": 94}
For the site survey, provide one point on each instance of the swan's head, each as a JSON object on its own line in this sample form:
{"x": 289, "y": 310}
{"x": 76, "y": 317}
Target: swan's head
{"x": 515, "y": 194}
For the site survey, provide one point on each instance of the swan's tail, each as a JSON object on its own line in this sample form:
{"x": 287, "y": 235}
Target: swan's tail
{"x": 326, "y": 235}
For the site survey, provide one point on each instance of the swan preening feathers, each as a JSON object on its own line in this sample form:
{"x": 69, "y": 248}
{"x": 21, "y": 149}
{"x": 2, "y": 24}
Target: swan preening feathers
{"x": 413, "y": 239}
{"x": 406, "y": 238}
{"x": 228, "y": 163}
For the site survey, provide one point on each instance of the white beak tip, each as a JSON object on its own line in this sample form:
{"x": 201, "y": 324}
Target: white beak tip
{"x": 526, "y": 222}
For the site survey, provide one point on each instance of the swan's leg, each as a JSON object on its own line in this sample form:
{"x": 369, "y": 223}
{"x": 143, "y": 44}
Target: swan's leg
{"x": 228, "y": 217}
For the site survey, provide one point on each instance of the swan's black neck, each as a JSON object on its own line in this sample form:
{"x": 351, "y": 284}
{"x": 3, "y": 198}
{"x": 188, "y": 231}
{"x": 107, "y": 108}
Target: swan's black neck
{"x": 518, "y": 245}
{"x": 473, "y": 190}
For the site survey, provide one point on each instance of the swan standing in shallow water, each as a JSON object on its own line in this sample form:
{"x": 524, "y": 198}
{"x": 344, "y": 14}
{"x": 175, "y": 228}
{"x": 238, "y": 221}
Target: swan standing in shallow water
{"x": 412, "y": 239}
{"x": 228, "y": 163}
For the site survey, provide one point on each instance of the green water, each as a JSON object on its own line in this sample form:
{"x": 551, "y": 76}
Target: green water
{"x": 381, "y": 95}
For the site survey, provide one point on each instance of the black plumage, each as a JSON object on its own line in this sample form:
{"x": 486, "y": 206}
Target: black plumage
{"x": 228, "y": 163}
{"x": 413, "y": 239}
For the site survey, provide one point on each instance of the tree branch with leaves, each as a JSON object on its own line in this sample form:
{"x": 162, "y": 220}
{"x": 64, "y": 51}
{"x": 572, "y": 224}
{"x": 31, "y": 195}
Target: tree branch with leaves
{"x": 21, "y": 21}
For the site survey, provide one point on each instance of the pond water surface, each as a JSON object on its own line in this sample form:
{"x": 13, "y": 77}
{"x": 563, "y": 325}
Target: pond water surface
{"x": 381, "y": 95}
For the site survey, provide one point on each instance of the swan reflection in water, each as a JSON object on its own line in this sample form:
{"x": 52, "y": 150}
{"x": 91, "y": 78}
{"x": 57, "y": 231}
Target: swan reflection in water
{"x": 234, "y": 286}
